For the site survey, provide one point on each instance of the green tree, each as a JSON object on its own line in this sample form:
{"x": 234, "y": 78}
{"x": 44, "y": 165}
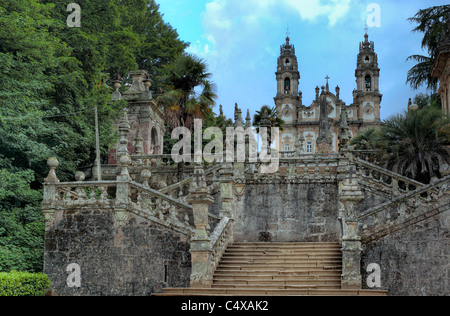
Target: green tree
{"x": 432, "y": 22}
{"x": 366, "y": 139}
{"x": 424, "y": 100}
{"x": 268, "y": 117}
{"x": 416, "y": 143}
{"x": 190, "y": 95}
{"x": 51, "y": 78}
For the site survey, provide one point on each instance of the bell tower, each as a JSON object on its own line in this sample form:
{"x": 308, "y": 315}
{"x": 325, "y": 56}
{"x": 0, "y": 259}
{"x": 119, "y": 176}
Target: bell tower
{"x": 288, "y": 97}
{"x": 287, "y": 73}
{"x": 367, "y": 94}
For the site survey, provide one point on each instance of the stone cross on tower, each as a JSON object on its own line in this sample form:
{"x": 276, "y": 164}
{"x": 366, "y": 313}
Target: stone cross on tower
{"x": 327, "y": 86}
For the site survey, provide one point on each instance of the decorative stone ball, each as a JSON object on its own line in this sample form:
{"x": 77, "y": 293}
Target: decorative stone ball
{"x": 80, "y": 176}
{"x": 52, "y": 163}
{"x": 146, "y": 174}
{"x": 147, "y": 83}
{"x": 161, "y": 185}
{"x": 125, "y": 160}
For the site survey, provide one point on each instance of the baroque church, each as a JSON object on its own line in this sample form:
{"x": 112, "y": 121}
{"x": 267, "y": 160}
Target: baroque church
{"x": 302, "y": 121}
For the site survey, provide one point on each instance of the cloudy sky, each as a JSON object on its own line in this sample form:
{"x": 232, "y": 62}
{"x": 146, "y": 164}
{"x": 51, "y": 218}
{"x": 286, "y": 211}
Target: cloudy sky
{"x": 240, "y": 41}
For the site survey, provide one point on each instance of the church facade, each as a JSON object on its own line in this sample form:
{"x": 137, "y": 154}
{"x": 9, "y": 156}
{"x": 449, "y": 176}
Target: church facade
{"x": 302, "y": 121}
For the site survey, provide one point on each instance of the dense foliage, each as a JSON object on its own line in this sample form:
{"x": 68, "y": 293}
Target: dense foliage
{"x": 23, "y": 284}
{"x": 415, "y": 143}
{"x": 51, "y": 78}
{"x": 432, "y": 22}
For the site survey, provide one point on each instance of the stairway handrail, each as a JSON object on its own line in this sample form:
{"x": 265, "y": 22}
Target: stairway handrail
{"x": 428, "y": 187}
{"x": 388, "y": 172}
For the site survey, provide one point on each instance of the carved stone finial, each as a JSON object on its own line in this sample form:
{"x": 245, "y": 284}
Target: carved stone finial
{"x": 125, "y": 163}
{"x": 52, "y": 163}
{"x": 238, "y": 122}
{"x": 248, "y": 120}
{"x": 145, "y": 177}
{"x": 139, "y": 143}
{"x": 124, "y": 129}
{"x": 147, "y": 94}
{"x": 80, "y": 176}
{"x": 117, "y": 83}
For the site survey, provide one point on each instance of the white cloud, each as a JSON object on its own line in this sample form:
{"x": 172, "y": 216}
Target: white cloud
{"x": 312, "y": 9}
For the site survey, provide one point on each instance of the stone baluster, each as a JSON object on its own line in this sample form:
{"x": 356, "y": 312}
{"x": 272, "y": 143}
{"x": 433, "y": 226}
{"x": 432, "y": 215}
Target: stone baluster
{"x": 226, "y": 190}
{"x": 201, "y": 250}
{"x": 139, "y": 140}
{"x": 123, "y": 191}
{"x": 50, "y": 190}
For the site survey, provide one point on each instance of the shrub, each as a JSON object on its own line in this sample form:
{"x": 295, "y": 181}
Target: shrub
{"x": 23, "y": 284}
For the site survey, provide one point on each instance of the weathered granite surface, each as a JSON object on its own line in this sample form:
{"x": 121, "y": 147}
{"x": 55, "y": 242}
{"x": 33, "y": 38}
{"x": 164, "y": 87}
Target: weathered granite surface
{"x": 139, "y": 258}
{"x": 288, "y": 212}
{"x": 414, "y": 261}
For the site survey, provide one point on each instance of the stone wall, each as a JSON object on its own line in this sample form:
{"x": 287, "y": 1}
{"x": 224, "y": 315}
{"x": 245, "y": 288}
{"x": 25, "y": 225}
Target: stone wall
{"x": 415, "y": 260}
{"x": 138, "y": 258}
{"x": 288, "y": 212}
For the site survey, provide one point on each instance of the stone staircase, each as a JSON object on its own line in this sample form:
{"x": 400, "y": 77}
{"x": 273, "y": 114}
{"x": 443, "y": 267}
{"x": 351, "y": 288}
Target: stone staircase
{"x": 277, "y": 269}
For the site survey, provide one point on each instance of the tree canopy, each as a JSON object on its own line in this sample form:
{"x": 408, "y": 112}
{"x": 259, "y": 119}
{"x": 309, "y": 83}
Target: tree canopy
{"x": 52, "y": 77}
{"x": 432, "y": 22}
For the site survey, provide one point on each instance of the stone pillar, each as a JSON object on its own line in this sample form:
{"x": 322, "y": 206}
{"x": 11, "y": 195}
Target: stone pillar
{"x": 201, "y": 250}
{"x": 50, "y": 191}
{"x": 226, "y": 190}
{"x": 350, "y": 196}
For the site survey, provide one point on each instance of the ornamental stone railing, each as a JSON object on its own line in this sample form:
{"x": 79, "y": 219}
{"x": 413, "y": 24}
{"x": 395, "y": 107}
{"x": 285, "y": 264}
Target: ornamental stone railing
{"x": 125, "y": 197}
{"x": 405, "y": 210}
{"x": 396, "y": 183}
{"x": 122, "y": 195}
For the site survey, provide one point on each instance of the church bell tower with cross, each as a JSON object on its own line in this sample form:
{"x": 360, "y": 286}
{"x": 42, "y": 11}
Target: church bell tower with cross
{"x": 367, "y": 94}
{"x": 288, "y": 98}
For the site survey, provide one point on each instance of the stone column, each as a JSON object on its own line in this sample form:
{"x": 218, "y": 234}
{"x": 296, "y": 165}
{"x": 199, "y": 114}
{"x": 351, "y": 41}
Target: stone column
{"x": 226, "y": 190}
{"x": 350, "y": 196}
{"x": 201, "y": 250}
{"x": 122, "y": 191}
{"x": 50, "y": 191}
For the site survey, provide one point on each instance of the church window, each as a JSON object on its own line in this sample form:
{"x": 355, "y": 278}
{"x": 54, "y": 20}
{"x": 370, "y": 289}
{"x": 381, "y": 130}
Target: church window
{"x": 367, "y": 59}
{"x": 287, "y": 85}
{"x": 309, "y": 147}
{"x": 287, "y": 62}
{"x": 368, "y": 83}
{"x": 287, "y": 147}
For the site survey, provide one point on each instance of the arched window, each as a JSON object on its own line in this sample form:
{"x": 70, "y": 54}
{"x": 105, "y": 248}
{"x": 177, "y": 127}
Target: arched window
{"x": 154, "y": 146}
{"x": 287, "y": 85}
{"x": 368, "y": 83}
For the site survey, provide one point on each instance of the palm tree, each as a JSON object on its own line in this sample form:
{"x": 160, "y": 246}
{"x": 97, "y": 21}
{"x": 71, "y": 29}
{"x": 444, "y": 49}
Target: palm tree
{"x": 366, "y": 140}
{"x": 190, "y": 92}
{"x": 269, "y": 114}
{"x": 433, "y": 23}
{"x": 416, "y": 143}
{"x": 267, "y": 117}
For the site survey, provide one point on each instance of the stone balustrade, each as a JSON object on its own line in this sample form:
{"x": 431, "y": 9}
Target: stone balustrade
{"x": 398, "y": 184}
{"x": 405, "y": 210}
